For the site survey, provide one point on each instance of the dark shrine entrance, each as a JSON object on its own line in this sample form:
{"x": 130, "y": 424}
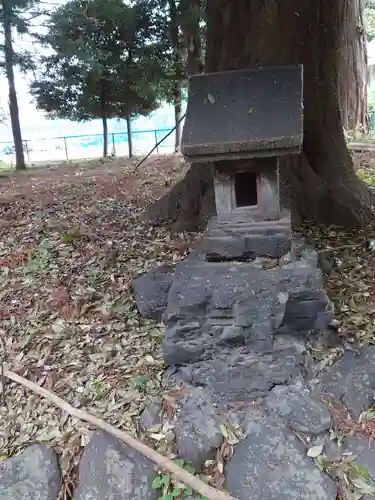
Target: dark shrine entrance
{"x": 246, "y": 189}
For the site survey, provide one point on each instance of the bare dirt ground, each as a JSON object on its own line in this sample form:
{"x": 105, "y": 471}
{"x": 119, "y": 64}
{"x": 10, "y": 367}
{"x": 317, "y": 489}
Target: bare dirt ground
{"x": 71, "y": 241}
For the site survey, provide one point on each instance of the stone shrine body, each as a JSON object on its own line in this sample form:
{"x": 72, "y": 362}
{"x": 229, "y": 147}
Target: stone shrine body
{"x": 241, "y": 122}
{"x": 241, "y": 310}
{"x": 230, "y": 305}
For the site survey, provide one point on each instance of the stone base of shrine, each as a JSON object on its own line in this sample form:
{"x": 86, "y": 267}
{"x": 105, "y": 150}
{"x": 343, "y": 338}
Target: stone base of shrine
{"x": 233, "y": 239}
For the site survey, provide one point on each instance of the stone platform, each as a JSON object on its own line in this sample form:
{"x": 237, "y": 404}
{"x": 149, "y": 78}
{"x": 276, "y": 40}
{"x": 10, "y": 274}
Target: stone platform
{"x": 224, "y": 310}
{"x": 232, "y": 240}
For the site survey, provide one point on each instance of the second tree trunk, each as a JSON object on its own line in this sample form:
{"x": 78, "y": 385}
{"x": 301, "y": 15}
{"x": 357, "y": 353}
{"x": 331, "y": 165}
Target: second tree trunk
{"x": 129, "y": 132}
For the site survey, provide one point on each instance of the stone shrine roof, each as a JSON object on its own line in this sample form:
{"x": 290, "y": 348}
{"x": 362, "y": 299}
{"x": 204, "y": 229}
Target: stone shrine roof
{"x": 244, "y": 113}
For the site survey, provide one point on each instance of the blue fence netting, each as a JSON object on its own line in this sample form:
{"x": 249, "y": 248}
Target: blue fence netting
{"x": 89, "y": 145}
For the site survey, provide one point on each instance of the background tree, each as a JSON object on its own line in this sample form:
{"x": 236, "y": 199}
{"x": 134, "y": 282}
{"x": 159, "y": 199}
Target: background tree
{"x": 15, "y": 16}
{"x": 320, "y": 184}
{"x": 178, "y": 30}
{"x": 166, "y": 19}
{"x": 369, "y": 18}
{"x": 178, "y": 66}
{"x": 104, "y": 64}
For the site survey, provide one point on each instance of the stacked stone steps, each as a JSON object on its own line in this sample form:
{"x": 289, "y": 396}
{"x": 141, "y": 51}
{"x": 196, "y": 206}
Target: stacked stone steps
{"x": 243, "y": 241}
{"x": 243, "y": 226}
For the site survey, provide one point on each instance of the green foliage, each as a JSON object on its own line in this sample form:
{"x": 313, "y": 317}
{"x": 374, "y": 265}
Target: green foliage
{"x": 171, "y": 19}
{"x": 369, "y": 17}
{"x": 105, "y": 62}
{"x": 370, "y": 23}
{"x": 367, "y": 176}
{"x": 170, "y": 488}
{"x": 40, "y": 261}
{"x": 19, "y": 13}
{"x": 353, "y": 478}
{"x": 140, "y": 383}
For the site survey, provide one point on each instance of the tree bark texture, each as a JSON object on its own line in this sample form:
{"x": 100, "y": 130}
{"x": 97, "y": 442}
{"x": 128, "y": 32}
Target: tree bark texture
{"x": 353, "y": 70}
{"x": 130, "y": 138}
{"x": 320, "y": 184}
{"x": 13, "y": 102}
{"x": 191, "y": 16}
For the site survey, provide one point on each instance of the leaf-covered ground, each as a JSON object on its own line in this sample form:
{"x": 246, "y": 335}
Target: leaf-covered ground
{"x": 71, "y": 240}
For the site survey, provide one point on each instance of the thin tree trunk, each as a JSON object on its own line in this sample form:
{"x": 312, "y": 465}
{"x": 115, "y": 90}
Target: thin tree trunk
{"x": 177, "y": 115}
{"x": 103, "y": 107}
{"x": 13, "y": 103}
{"x": 320, "y": 184}
{"x": 178, "y": 49}
{"x": 353, "y": 70}
{"x": 130, "y": 139}
{"x": 105, "y": 136}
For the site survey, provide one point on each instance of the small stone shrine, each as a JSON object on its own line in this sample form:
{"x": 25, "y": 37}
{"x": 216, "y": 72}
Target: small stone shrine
{"x": 230, "y": 306}
{"x": 242, "y": 122}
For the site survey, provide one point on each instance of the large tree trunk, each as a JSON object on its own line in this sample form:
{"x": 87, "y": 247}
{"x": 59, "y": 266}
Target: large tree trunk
{"x": 320, "y": 184}
{"x": 353, "y": 70}
{"x": 13, "y": 103}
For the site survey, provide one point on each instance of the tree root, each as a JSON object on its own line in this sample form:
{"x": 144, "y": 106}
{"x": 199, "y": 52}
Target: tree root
{"x": 335, "y": 199}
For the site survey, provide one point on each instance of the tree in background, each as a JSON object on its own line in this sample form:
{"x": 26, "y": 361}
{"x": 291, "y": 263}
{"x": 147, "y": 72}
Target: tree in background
{"x": 177, "y": 70}
{"x": 104, "y": 65}
{"x": 14, "y": 17}
{"x": 369, "y": 16}
{"x": 177, "y": 27}
{"x": 320, "y": 184}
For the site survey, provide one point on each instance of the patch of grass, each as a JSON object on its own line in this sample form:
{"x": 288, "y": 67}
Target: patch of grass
{"x": 353, "y": 479}
{"x": 40, "y": 259}
{"x": 170, "y": 488}
{"x": 367, "y": 176}
{"x": 140, "y": 382}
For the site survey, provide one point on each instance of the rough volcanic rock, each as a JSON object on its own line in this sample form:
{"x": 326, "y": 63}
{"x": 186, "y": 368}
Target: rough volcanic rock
{"x": 305, "y": 311}
{"x": 151, "y": 291}
{"x": 197, "y": 428}
{"x": 151, "y": 415}
{"x": 352, "y": 379}
{"x": 242, "y": 375}
{"x": 272, "y": 463}
{"x": 33, "y": 475}
{"x": 111, "y": 470}
{"x": 214, "y": 304}
{"x": 301, "y": 410}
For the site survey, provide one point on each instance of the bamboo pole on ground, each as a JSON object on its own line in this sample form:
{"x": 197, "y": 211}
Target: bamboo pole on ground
{"x": 163, "y": 462}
